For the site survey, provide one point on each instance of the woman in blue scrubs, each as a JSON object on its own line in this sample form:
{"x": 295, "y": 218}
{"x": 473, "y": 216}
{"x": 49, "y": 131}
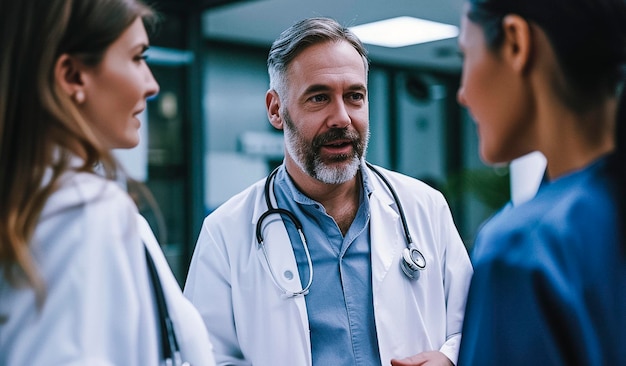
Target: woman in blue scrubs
{"x": 549, "y": 285}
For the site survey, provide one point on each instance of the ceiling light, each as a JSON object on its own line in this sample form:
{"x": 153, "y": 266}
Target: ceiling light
{"x": 403, "y": 31}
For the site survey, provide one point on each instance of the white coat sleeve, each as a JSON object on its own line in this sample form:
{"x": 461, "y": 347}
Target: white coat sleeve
{"x": 457, "y": 275}
{"x": 191, "y": 334}
{"x": 98, "y": 306}
{"x": 208, "y": 287}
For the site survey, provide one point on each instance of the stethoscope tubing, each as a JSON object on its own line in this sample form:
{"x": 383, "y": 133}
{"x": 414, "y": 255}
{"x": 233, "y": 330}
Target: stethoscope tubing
{"x": 271, "y": 210}
{"x": 261, "y": 242}
{"x": 169, "y": 343}
{"x": 413, "y": 260}
{"x": 405, "y": 226}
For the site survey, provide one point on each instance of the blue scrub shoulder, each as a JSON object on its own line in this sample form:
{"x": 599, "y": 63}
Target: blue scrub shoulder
{"x": 566, "y": 218}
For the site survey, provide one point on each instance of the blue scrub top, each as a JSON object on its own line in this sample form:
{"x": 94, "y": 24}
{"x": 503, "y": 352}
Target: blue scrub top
{"x": 549, "y": 284}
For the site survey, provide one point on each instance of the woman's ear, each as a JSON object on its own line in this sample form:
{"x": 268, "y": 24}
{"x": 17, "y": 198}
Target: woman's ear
{"x": 518, "y": 42}
{"x": 68, "y": 75}
{"x": 272, "y": 103}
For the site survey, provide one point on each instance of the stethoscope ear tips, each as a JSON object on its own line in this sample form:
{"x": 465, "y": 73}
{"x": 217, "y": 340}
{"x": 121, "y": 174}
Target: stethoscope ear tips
{"x": 412, "y": 263}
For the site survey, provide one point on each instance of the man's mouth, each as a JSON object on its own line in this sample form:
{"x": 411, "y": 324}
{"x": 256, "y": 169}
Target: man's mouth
{"x": 338, "y": 147}
{"x": 338, "y": 144}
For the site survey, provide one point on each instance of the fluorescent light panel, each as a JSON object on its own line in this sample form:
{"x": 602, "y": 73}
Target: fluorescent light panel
{"x": 403, "y": 31}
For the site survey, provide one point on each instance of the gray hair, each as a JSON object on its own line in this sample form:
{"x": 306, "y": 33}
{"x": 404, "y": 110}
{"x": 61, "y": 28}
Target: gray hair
{"x": 295, "y": 39}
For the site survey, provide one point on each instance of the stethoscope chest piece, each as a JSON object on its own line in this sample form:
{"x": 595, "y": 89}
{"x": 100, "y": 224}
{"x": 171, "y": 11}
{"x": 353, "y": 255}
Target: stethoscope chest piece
{"x": 412, "y": 263}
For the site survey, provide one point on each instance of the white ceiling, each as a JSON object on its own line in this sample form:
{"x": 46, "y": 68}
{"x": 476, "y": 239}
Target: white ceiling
{"x": 259, "y": 22}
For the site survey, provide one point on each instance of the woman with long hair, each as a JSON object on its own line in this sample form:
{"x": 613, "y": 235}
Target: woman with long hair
{"x": 83, "y": 280}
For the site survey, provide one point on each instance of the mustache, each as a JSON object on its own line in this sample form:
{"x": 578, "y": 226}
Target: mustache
{"x": 336, "y": 134}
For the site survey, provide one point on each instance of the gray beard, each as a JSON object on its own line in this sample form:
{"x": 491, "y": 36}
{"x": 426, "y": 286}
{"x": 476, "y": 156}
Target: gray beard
{"x": 316, "y": 168}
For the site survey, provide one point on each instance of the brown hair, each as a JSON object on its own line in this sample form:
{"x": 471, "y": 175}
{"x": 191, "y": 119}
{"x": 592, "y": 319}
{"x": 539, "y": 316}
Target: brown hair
{"x": 39, "y": 125}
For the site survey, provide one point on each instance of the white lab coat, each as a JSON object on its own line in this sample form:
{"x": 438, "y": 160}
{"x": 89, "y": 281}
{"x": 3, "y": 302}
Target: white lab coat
{"x": 99, "y": 307}
{"x": 251, "y": 324}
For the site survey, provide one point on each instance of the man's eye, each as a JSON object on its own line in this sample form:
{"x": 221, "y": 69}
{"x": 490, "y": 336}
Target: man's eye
{"x": 318, "y": 98}
{"x": 357, "y": 96}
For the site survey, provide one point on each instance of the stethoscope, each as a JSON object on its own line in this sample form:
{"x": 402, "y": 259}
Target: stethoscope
{"x": 169, "y": 343}
{"x": 412, "y": 263}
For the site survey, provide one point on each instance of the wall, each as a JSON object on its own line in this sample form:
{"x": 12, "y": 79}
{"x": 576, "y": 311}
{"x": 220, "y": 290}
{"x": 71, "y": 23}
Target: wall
{"x": 235, "y": 83}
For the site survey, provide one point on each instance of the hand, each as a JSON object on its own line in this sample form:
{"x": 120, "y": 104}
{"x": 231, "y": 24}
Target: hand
{"x": 428, "y": 358}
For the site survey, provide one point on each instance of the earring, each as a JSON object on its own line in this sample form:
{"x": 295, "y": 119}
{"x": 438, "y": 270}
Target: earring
{"x": 79, "y": 96}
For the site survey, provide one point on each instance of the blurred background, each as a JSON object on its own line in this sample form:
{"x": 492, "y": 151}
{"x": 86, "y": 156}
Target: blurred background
{"x": 206, "y": 135}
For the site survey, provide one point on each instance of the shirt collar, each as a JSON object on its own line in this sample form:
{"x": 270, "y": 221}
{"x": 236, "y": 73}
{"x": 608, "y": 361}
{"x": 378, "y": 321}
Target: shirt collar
{"x": 284, "y": 182}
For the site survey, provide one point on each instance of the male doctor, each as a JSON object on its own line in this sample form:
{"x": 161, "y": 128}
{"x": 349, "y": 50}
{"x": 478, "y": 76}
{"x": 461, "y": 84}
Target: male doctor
{"x": 335, "y": 292}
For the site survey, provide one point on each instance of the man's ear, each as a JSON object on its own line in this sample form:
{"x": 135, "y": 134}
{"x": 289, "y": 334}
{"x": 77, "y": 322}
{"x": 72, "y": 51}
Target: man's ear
{"x": 68, "y": 75}
{"x": 272, "y": 104}
{"x": 518, "y": 42}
